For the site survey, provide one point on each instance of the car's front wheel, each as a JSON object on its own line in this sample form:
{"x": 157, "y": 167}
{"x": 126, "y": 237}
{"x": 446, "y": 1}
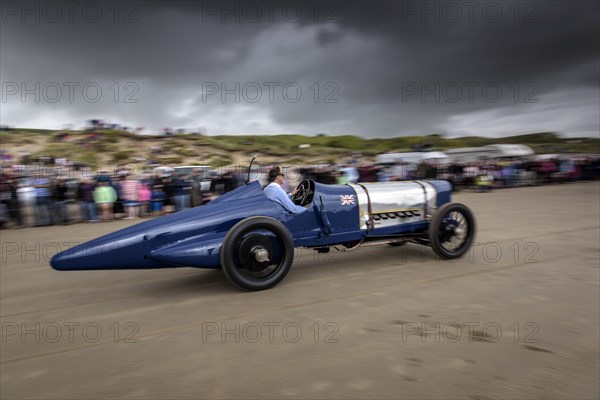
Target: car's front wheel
{"x": 257, "y": 253}
{"x": 452, "y": 230}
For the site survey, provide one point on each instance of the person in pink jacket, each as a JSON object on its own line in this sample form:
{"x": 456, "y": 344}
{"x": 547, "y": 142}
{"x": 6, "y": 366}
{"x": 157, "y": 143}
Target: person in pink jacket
{"x": 144, "y": 196}
{"x": 130, "y": 189}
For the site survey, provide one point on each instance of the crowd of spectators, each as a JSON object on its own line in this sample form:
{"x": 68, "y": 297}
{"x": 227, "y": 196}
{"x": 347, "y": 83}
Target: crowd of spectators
{"x": 28, "y": 198}
{"x": 33, "y": 199}
{"x": 479, "y": 176}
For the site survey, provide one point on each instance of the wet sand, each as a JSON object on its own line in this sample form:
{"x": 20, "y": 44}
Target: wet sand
{"x": 518, "y": 317}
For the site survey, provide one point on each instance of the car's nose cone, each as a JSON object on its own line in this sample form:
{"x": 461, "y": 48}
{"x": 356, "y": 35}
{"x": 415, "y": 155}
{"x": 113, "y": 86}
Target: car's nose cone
{"x": 109, "y": 252}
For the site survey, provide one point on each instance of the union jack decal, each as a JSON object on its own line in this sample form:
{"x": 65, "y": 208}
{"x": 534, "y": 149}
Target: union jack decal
{"x": 347, "y": 199}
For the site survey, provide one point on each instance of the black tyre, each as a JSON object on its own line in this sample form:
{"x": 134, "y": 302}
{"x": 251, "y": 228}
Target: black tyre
{"x": 452, "y": 230}
{"x": 257, "y": 253}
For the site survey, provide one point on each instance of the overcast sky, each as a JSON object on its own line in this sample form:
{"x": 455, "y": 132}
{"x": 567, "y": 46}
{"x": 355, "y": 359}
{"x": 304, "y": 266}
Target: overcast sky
{"x": 368, "y": 68}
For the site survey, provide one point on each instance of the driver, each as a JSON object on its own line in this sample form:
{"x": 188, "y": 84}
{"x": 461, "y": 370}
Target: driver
{"x": 276, "y": 194}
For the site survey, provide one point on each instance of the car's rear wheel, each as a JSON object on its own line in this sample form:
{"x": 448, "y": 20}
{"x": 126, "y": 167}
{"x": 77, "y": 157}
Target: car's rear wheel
{"x": 452, "y": 230}
{"x": 257, "y": 253}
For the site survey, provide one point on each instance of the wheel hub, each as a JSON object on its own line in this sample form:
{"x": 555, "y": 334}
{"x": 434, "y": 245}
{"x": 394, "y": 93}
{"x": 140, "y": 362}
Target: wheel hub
{"x": 255, "y": 252}
{"x": 453, "y": 233}
{"x": 448, "y": 231}
{"x": 260, "y": 254}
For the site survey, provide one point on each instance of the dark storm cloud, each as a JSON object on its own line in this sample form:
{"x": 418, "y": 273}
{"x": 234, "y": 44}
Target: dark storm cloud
{"x": 376, "y": 68}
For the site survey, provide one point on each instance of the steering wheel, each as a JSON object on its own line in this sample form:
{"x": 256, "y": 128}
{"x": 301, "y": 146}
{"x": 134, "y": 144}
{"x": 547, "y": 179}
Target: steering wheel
{"x": 301, "y": 196}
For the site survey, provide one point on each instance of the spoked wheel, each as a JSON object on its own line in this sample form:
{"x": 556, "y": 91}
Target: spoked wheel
{"x": 452, "y": 230}
{"x": 257, "y": 253}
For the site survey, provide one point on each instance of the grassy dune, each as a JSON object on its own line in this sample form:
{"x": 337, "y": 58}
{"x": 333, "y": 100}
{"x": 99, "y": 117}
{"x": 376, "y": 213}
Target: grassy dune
{"x": 113, "y": 146}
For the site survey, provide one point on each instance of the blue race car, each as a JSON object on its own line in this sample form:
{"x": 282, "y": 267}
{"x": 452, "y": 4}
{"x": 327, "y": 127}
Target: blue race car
{"x": 243, "y": 233}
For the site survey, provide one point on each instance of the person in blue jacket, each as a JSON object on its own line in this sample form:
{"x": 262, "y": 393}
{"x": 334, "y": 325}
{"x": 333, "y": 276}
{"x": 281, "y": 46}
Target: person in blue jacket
{"x": 276, "y": 194}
